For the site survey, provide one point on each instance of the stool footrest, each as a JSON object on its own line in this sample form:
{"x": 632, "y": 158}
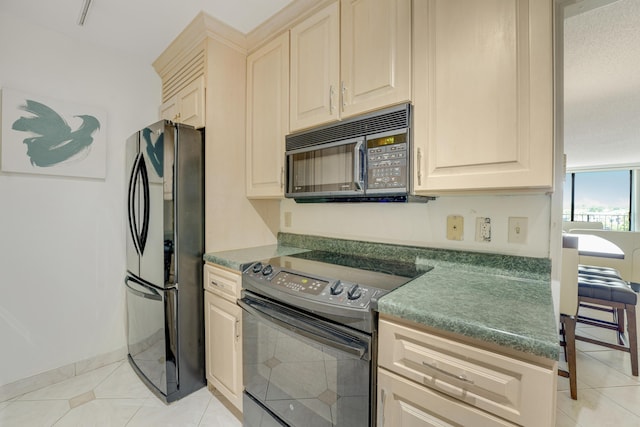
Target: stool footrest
{"x": 603, "y": 343}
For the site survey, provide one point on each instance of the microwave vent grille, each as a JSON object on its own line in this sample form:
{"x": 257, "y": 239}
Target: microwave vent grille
{"x": 382, "y": 121}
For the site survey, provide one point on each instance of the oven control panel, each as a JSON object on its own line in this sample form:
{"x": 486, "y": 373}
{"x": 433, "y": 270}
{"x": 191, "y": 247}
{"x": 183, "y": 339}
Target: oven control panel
{"x": 315, "y": 288}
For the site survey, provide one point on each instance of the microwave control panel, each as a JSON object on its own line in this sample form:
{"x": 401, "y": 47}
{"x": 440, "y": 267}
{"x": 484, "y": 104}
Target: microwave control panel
{"x": 387, "y": 163}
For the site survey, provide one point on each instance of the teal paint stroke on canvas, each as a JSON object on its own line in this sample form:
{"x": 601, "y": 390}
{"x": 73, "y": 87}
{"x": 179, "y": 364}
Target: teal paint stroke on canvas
{"x": 55, "y": 142}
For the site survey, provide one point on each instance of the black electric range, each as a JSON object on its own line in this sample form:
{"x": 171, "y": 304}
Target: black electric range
{"x": 338, "y": 287}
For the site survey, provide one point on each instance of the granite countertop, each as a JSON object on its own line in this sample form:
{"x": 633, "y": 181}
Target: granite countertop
{"x": 500, "y": 299}
{"x": 480, "y": 303}
{"x": 239, "y": 259}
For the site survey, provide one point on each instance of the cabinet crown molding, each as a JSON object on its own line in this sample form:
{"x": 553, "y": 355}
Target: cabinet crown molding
{"x": 201, "y": 28}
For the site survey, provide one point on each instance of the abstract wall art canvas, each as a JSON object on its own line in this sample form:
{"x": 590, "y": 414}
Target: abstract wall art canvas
{"x": 52, "y": 137}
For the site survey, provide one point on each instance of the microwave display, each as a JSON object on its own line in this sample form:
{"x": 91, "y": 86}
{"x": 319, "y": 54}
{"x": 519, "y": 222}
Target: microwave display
{"x": 387, "y": 140}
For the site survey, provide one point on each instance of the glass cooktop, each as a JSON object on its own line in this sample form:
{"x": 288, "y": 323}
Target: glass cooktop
{"x": 381, "y": 274}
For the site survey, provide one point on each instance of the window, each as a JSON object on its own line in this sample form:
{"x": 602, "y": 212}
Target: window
{"x": 599, "y": 197}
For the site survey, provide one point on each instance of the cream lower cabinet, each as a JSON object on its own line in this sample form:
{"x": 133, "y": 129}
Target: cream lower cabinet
{"x": 429, "y": 380}
{"x": 403, "y": 403}
{"x": 223, "y": 332}
{"x": 187, "y": 106}
{"x": 483, "y": 95}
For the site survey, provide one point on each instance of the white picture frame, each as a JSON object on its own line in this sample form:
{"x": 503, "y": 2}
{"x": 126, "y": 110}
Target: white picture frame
{"x": 42, "y": 135}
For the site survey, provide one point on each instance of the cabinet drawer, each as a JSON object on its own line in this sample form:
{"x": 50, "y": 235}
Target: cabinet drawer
{"x": 223, "y": 282}
{"x": 403, "y": 403}
{"x": 512, "y": 389}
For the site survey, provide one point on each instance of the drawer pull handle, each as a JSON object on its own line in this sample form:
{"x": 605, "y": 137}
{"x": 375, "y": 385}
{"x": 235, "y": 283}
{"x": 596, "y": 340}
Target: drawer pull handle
{"x": 460, "y": 377}
{"x": 214, "y": 283}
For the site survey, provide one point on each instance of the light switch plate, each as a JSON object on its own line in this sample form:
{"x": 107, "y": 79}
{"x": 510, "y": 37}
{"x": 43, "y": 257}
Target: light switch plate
{"x": 455, "y": 227}
{"x": 518, "y": 229}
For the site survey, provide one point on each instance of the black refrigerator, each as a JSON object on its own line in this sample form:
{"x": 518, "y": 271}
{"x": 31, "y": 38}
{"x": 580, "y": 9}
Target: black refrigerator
{"x": 165, "y": 244}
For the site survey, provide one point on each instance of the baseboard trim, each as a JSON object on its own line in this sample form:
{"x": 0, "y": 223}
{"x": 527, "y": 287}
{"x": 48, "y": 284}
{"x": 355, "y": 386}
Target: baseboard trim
{"x": 53, "y": 376}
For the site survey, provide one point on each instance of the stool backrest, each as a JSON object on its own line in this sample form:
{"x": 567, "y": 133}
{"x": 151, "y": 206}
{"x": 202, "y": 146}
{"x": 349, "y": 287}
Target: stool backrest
{"x": 569, "y": 277}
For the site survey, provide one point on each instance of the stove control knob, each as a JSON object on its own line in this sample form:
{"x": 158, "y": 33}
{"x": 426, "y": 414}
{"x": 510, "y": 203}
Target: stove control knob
{"x": 354, "y": 292}
{"x": 267, "y": 270}
{"x": 336, "y": 289}
{"x": 257, "y": 267}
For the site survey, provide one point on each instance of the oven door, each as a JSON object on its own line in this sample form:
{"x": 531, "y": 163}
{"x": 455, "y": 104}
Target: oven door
{"x": 328, "y": 170}
{"x": 302, "y": 370}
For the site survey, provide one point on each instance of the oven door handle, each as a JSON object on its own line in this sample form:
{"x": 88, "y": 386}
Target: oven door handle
{"x": 301, "y": 327}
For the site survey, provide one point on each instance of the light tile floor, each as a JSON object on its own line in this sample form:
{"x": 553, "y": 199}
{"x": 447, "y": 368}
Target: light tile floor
{"x": 112, "y": 396}
{"x": 608, "y": 395}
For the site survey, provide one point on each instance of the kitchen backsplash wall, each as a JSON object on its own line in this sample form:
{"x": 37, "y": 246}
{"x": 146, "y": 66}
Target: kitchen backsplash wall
{"x": 420, "y": 224}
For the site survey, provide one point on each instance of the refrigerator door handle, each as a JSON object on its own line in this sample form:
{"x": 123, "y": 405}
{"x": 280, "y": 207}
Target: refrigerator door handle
{"x": 139, "y": 172}
{"x": 153, "y": 295}
{"x": 131, "y": 204}
{"x": 145, "y": 188}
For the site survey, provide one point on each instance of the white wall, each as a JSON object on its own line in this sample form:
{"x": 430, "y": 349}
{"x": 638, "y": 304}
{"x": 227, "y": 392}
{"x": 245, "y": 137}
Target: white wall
{"x": 425, "y": 224}
{"x": 62, "y": 243}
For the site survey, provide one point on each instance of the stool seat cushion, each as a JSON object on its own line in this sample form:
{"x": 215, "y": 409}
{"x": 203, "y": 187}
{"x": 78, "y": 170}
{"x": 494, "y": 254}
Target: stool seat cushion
{"x": 594, "y": 270}
{"x": 605, "y": 288}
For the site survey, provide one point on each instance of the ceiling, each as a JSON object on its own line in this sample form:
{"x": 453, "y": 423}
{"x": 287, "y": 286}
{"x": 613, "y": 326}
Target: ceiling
{"x": 602, "y": 56}
{"x": 602, "y": 86}
{"x": 139, "y": 28}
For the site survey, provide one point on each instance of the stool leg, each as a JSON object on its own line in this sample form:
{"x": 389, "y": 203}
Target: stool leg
{"x": 570, "y": 349}
{"x": 633, "y": 338}
{"x": 619, "y": 316}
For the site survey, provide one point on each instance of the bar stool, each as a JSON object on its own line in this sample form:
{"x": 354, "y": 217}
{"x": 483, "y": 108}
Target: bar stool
{"x": 569, "y": 309}
{"x": 612, "y": 294}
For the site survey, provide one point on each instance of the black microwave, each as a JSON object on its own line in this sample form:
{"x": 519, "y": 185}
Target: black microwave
{"x": 363, "y": 159}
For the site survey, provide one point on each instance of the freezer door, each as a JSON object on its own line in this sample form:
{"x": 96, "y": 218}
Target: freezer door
{"x": 157, "y": 152}
{"x": 152, "y": 335}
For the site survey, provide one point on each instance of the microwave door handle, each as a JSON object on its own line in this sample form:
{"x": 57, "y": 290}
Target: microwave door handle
{"x": 358, "y": 165}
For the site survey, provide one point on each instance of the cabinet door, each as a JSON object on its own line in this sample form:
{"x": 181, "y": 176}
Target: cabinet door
{"x": 223, "y": 347}
{"x": 376, "y": 54}
{"x": 169, "y": 109}
{"x": 267, "y": 118}
{"x": 315, "y": 69}
{"x": 191, "y": 104}
{"x": 187, "y": 106}
{"x": 403, "y": 403}
{"x": 483, "y": 95}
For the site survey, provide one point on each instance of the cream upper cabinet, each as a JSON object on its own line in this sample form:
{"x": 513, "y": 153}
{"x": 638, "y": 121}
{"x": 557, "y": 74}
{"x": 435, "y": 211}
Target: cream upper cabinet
{"x": 223, "y": 332}
{"x": 315, "y": 69}
{"x": 351, "y": 57}
{"x": 483, "y": 95}
{"x": 187, "y": 106}
{"x": 375, "y": 56}
{"x": 267, "y": 118}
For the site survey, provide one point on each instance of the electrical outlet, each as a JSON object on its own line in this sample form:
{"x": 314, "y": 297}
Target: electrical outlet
{"x": 483, "y": 229}
{"x": 455, "y": 227}
{"x": 287, "y": 219}
{"x": 518, "y": 229}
